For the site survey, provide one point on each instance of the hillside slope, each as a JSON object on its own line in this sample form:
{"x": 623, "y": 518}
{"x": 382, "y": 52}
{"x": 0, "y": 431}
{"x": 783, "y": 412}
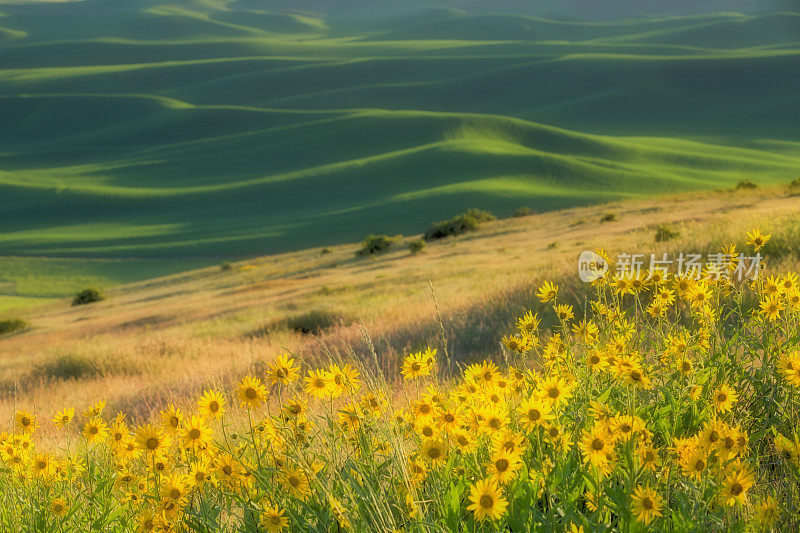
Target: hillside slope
{"x": 161, "y": 340}
{"x": 143, "y": 138}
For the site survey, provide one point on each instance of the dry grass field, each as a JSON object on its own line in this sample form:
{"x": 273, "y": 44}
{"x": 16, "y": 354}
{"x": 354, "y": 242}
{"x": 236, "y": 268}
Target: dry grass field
{"x": 163, "y": 341}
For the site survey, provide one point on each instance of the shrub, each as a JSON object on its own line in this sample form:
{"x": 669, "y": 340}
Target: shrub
{"x": 416, "y": 246}
{"x": 795, "y": 184}
{"x": 315, "y": 321}
{"x": 522, "y": 212}
{"x": 11, "y": 325}
{"x": 67, "y": 366}
{"x": 375, "y": 244}
{"x": 88, "y": 296}
{"x": 746, "y": 184}
{"x": 552, "y": 245}
{"x": 608, "y": 217}
{"x": 325, "y": 251}
{"x": 467, "y": 221}
{"x": 665, "y": 232}
{"x": 226, "y": 267}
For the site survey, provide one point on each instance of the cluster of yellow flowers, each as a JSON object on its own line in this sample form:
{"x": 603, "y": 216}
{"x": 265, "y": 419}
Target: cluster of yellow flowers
{"x": 672, "y": 403}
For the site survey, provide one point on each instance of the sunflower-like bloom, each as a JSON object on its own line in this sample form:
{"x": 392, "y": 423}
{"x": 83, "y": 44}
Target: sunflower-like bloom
{"x": 487, "y": 500}
{"x": 171, "y": 418}
{"x": 771, "y": 307}
{"x": 317, "y": 383}
{"x": 283, "y": 370}
{"x": 295, "y": 481}
{"x": 252, "y": 393}
{"x": 25, "y": 422}
{"x": 597, "y": 447}
{"x": 494, "y": 418}
{"x": 724, "y": 397}
{"x": 695, "y": 463}
{"x": 503, "y": 466}
{"x": 555, "y": 389}
{"x": 94, "y": 410}
{"x": 152, "y": 439}
{"x": 95, "y": 430}
{"x": 434, "y": 451}
{"x": 273, "y": 519}
{"x": 195, "y": 434}
{"x": 199, "y": 473}
{"x": 415, "y": 365}
{"x": 735, "y": 486}
{"x": 175, "y": 487}
{"x": 547, "y": 292}
{"x": 62, "y": 418}
{"x": 757, "y": 239}
{"x": 211, "y": 404}
{"x": 59, "y": 507}
{"x": 648, "y": 454}
{"x": 535, "y": 412}
{"x": 767, "y": 513}
{"x": 528, "y": 323}
{"x": 646, "y": 504}
{"x": 43, "y": 465}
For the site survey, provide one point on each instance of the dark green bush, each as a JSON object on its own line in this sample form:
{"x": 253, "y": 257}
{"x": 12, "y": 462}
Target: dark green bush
{"x": 467, "y": 221}
{"x": 795, "y": 184}
{"x": 67, "y": 366}
{"x": 375, "y": 244}
{"x": 11, "y": 325}
{"x": 608, "y": 217}
{"x": 746, "y": 184}
{"x": 522, "y": 212}
{"x": 416, "y": 246}
{"x": 225, "y": 267}
{"x": 88, "y": 296}
{"x": 665, "y": 232}
{"x": 315, "y": 320}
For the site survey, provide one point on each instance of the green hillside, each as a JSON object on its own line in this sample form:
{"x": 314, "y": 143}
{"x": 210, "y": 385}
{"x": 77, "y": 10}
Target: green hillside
{"x": 146, "y": 137}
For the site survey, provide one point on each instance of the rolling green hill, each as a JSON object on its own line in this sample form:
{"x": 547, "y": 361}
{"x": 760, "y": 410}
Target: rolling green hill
{"x": 146, "y": 137}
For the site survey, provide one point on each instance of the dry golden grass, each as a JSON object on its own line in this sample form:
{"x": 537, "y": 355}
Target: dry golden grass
{"x": 163, "y": 340}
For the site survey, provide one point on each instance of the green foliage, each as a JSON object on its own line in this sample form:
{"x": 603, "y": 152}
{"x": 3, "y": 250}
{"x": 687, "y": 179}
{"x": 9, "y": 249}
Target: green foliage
{"x": 376, "y": 244}
{"x": 88, "y": 296}
{"x": 746, "y": 185}
{"x": 315, "y": 321}
{"x": 12, "y": 324}
{"x": 665, "y": 232}
{"x": 468, "y": 221}
{"x": 67, "y": 366}
{"x": 226, "y": 267}
{"x": 416, "y": 246}
{"x": 198, "y": 162}
{"x": 608, "y": 217}
{"x": 522, "y": 212}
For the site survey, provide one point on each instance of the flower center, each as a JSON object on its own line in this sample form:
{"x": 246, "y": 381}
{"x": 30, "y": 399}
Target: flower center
{"x": 486, "y": 501}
